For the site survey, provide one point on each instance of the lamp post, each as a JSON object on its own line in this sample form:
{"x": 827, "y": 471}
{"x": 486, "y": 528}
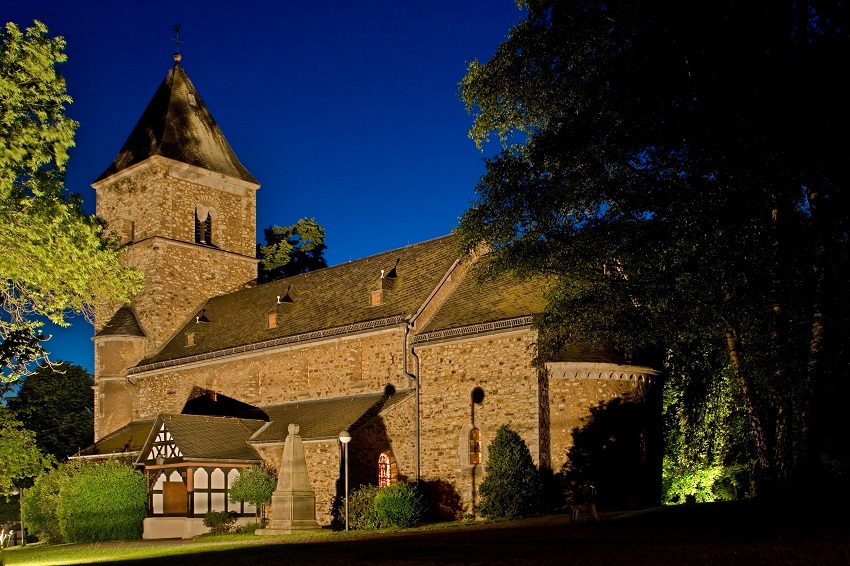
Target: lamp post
{"x": 16, "y": 491}
{"x": 345, "y": 438}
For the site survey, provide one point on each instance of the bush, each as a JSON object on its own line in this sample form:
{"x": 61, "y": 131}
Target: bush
{"x": 399, "y": 505}
{"x": 511, "y": 486}
{"x": 103, "y": 502}
{"x": 361, "y": 509}
{"x": 249, "y": 528}
{"x": 219, "y": 522}
{"x": 41, "y": 502}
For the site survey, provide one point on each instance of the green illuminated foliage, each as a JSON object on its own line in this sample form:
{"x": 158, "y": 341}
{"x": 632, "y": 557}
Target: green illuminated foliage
{"x": 291, "y": 250}
{"x": 254, "y": 485}
{"x": 54, "y": 259}
{"x": 20, "y": 458}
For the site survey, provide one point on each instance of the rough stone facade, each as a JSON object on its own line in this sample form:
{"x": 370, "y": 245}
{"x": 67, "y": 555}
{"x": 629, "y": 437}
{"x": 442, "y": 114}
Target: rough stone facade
{"x": 501, "y": 366}
{"x": 474, "y": 370}
{"x": 321, "y": 369}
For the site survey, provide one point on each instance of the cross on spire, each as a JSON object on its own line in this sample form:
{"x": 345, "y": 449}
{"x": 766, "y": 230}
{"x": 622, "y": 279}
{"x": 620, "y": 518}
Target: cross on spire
{"x": 176, "y": 38}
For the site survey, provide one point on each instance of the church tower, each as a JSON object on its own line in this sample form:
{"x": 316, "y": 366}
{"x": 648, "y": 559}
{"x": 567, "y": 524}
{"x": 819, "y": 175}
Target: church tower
{"x": 185, "y": 207}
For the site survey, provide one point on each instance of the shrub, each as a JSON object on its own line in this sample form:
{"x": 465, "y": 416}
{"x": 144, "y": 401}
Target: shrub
{"x": 219, "y": 522}
{"x": 254, "y": 485}
{"x": 361, "y": 509}
{"x": 249, "y": 528}
{"x": 400, "y": 505}
{"x": 41, "y": 501}
{"x": 103, "y": 502}
{"x": 511, "y": 486}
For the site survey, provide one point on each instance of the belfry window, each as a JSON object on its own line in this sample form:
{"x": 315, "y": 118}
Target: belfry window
{"x": 387, "y": 469}
{"x": 203, "y": 225}
{"x": 475, "y": 446}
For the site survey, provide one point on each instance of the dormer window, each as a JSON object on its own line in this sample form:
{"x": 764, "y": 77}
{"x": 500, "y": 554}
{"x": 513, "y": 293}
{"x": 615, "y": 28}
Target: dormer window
{"x": 190, "y": 339}
{"x": 377, "y": 297}
{"x": 273, "y": 320}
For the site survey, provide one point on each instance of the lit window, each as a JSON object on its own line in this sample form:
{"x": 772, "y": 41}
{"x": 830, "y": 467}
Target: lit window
{"x": 475, "y": 446}
{"x": 387, "y": 470}
{"x": 273, "y": 320}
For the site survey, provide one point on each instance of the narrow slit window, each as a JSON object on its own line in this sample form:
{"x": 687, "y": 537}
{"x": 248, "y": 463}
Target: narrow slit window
{"x": 475, "y": 446}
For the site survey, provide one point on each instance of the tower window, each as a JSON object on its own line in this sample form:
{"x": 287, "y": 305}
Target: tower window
{"x": 203, "y": 225}
{"x": 475, "y": 446}
{"x": 387, "y": 469}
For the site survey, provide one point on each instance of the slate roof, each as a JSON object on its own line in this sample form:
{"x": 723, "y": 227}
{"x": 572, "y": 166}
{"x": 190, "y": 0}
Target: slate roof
{"x": 177, "y": 124}
{"x": 477, "y": 300}
{"x": 320, "y": 419}
{"x": 128, "y": 439}
{"x": 323, "y": 300}
{"x": 123, "y": 323}
{"x": 208, "y": 438}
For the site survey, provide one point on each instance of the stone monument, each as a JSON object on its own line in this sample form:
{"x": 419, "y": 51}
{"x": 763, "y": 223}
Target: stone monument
{"x": 294, "y": 501}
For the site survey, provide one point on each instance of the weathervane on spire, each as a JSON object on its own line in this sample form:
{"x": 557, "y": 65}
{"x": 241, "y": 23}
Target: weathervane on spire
{"x": 177, "y": 41}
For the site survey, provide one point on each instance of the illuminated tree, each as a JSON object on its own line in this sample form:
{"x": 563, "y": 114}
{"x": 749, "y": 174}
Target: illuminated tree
{"x": 291, "y": 250}
{"x": 54, "y": 259}
{"x": 20, "y": 458}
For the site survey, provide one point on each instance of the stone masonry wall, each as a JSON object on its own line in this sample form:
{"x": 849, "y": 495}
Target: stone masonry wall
{"x": 179, "y": 278}
{"x": 500, "y": 364}
{"x": 570, "y": 401}
{"x": 349, "y": 365}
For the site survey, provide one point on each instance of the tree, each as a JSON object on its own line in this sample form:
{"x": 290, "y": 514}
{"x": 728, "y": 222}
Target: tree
{"x": 254, "y": 485}
{"x": 57, "y": 403}
{"x": 55, "y": 260}
{"x": 673, "y": 166}
{"x": 511, "y": 486}
{"x": 20, "y": 458}
{"x": 291, "y": 250}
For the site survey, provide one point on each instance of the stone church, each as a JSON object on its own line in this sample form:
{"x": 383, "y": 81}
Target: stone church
{"x": 408, "y": 350}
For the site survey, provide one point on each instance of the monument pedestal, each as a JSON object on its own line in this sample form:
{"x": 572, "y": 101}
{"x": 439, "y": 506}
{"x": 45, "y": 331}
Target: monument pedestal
{"x": 294, "y": 501}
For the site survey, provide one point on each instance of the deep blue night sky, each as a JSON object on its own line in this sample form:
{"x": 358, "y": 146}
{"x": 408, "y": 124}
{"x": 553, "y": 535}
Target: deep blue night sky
{"x": 347, "y": 112}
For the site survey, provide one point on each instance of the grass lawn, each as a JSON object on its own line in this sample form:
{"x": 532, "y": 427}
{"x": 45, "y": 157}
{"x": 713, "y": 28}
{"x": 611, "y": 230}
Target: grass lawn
{"x": 716, "y": 534}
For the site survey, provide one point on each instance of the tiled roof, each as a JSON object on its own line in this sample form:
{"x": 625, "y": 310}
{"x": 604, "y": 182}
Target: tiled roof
{"x": 127, "y": 439}
{"x": 326, "y": 300}
{"x": 326, "y": 418}
{"x": 208, "y": 438}
{"x": 177, "y": 125}
{"x": 122, "y": 323}
{"x": 478, "y": 300}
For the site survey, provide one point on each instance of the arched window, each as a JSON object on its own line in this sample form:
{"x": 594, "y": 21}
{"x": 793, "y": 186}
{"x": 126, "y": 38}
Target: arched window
{"x": 203, "y": 229}
{"x": 204, "y": 216}
{"x": 387, "y": 469}
{"x": 475, "y": 446}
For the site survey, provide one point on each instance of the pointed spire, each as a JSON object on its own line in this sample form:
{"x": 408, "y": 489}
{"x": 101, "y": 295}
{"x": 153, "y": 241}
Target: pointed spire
{"x": 177, "y": 125}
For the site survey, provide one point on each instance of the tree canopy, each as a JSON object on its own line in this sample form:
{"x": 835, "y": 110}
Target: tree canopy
{"x": 675, "y": 166}
{"x": 291, "y": 250}
{"x": 57, "y": 403}
{"x": 20, "y": 458}
{"x": 55, "y": 260}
